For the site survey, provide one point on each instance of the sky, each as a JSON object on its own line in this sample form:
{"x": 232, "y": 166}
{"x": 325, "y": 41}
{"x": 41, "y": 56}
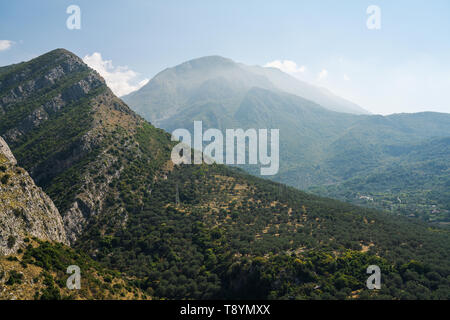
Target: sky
{"x": 400, "y": 64}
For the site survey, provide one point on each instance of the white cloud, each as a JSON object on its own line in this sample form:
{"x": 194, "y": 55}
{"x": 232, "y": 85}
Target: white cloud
{"x": 287, "y": 66}
{"x": 5, "y": 44}
{"x": 120, "y": 79}
{"x": 143, "y": 82}
{"x": 346, "y": 77}
{"x": 322, "y": 75}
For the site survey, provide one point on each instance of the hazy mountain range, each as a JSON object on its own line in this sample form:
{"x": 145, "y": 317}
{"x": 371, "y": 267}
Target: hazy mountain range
{"x": 398, "y": 163}
{"x": 214, "y": 79}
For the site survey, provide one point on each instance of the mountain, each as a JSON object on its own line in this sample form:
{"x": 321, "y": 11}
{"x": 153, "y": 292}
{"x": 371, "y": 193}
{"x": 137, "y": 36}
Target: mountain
{"x": 322, "y": 151}
{"x": 64, "y": 126}
{"x": 25, "y": 210}
{"x": 214, "y": 83}
{"x": 194, "y": 231}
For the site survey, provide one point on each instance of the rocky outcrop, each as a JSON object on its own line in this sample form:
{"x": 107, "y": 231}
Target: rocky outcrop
{"x": 25, "y": 210}
{"x": 5, "y": 151}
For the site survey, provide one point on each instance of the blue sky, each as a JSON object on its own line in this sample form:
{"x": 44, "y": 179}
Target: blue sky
{"x": 402, "y": 67}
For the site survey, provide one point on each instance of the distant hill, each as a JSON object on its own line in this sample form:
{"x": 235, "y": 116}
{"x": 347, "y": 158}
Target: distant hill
{"x": 321, "y": 150}
{"x": 410, "y": 179}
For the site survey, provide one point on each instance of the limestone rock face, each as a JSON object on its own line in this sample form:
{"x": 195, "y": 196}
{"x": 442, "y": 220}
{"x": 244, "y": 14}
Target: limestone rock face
{"x": 4, "y": 149}
{"x": 25, "y": 210}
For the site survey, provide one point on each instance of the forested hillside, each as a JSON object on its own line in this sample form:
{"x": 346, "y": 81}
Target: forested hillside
{"x": 235, "y": 236}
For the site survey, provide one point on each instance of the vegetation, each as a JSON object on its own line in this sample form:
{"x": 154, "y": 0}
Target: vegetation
{"x": 416, "y": 184}
{"x": 45, "y": 264}
{"x": 229, "y": 225}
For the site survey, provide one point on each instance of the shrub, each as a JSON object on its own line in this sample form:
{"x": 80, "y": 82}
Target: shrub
{"x": 11, "y": 241}
{"x": 14, "y": 277}
{"x": 5, "y": 179}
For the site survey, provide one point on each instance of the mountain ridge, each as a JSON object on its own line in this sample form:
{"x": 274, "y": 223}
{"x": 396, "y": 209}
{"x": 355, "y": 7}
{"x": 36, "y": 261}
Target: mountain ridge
{"x": 239, "y": 77}
{"x": 67, "y": 146}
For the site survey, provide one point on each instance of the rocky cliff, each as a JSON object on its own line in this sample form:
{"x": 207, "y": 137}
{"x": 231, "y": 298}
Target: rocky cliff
{"x": 6, "y": 152}
{"x": 25, "y": 210}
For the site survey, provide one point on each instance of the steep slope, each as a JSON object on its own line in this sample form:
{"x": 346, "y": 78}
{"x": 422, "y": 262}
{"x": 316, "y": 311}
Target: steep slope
{"x": 6, "y": 152}
{"x": 33, "y": 254}
{"x": 25, "y": 210}
{"x": 319, "y": 95}
{"x": 200, "y": 231}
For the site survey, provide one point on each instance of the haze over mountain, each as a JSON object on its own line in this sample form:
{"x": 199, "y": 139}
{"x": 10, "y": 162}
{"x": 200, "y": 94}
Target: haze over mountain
{"x": 190, "y": 231}
{"x": 319, "y": 95}
{"x": 219, "y": 80}
{"x": 331, "y": 153}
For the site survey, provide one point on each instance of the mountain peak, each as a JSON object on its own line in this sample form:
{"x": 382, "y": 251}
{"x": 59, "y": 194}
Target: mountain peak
{"x": 58, "y": 56}
{"x": 62, "y": 51}
{"x": 204, "y": 66}
{"x": 192, "y": 75}
{"x": 209, "y": 60}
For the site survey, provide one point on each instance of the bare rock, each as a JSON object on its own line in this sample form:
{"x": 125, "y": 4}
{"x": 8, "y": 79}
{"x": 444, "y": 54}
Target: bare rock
{"x": 25, "y": 210}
